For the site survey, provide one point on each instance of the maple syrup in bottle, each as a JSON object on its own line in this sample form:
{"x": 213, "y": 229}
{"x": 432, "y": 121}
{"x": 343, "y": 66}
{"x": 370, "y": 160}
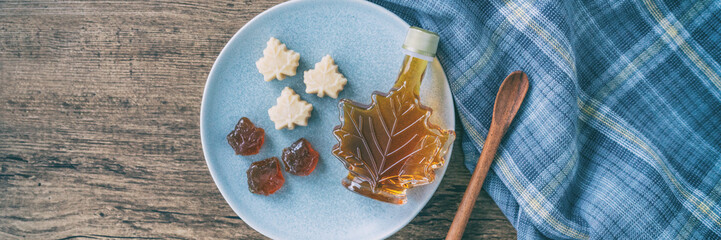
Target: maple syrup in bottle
{"x": 389, "y": 145}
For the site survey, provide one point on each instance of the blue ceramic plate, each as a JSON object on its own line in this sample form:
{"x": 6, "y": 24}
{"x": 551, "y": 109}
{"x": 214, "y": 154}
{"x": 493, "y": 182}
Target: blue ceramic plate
{"x": 365, "y": 41}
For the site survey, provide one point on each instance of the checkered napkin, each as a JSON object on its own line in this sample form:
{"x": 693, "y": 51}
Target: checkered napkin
{"x": 620, "y": 133}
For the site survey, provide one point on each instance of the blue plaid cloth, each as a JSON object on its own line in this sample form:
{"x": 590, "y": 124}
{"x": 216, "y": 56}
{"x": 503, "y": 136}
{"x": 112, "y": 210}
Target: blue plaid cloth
{"x": 620, "y": 133}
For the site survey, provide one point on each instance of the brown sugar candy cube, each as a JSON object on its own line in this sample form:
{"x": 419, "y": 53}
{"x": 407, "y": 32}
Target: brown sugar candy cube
{"x": 246, "y": 139}
{"x": 300, "y": 158}
{"x": 265, "y": 176}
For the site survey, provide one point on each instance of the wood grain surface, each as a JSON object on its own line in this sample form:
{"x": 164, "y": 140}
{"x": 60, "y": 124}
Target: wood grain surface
{"x": 99, "y": 125}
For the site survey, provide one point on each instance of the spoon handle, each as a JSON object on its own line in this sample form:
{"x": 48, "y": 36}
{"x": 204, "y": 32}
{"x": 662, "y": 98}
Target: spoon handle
{"x": 474, "y": 187}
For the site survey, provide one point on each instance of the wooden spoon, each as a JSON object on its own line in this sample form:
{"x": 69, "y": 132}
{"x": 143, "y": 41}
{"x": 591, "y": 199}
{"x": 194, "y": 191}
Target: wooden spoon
{"x": 508, "y": 100}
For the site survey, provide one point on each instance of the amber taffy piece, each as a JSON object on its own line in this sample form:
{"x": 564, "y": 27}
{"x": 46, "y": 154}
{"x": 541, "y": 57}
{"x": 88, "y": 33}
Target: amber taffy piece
{"x": 389, "y": 145}
{"x": 265, "y": 176}
{"x": 246, "y": 139}
{"x": 300, "y": 158}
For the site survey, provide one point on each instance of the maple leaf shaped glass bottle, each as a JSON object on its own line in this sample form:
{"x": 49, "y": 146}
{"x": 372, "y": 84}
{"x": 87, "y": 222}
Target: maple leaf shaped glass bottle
{"x": 389, "y": 145}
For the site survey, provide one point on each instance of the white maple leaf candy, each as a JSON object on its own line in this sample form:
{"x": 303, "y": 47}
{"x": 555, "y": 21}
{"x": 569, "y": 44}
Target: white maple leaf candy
{"x": 324, "y": 79}
{"x": 277, "y": 61}
{"x": 290, "y": 110}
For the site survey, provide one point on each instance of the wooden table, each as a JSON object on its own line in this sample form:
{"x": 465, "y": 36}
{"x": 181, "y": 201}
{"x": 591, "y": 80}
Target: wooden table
{"x": 99, "y": 134}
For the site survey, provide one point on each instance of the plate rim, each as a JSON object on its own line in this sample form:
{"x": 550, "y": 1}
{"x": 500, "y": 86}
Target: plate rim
{"x": 212, "y": 73}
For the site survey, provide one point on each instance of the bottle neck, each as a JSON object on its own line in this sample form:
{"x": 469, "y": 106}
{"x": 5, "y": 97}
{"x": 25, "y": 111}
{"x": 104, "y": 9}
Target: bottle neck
{"x": 411, "y": 74}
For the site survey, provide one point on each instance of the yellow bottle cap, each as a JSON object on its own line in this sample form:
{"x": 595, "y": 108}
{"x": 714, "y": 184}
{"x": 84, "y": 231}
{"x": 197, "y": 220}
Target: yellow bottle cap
{"x": 421, "y": 41}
